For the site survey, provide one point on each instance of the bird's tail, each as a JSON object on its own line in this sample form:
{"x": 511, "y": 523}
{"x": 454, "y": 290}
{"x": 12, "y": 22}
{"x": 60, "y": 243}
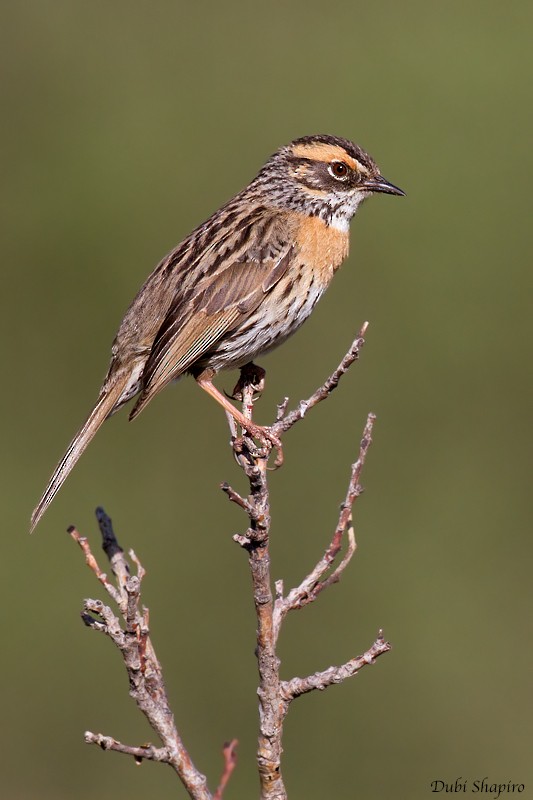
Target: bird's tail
{"x": 103, "y": 408}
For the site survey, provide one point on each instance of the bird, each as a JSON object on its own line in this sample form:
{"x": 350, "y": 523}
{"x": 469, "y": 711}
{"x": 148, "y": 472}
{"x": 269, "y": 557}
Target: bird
{"x": 238, "y": 286}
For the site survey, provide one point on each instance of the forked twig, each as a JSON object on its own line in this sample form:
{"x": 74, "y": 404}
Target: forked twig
{"x": 328, "y": 677}
{"x": 313, "y": 583}
{"x": 274, "y": 694}
{"x": 129, "y": 632}
{"x": 229, "y": 751}
{"x": 129, "y": 629}
{"x": 285, "y": 421}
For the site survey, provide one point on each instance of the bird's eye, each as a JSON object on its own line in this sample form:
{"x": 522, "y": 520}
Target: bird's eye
{"x": 338, "y": 169}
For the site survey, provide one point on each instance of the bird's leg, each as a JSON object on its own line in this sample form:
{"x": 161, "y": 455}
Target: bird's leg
{"x": 261, "y": 432}
{"x": 250, "y": 374}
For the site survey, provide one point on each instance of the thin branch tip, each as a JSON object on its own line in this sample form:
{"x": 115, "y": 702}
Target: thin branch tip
{"x": 229, "y": 752}
{"x": 285, "y": 421}
{"x": 333, "y": 675}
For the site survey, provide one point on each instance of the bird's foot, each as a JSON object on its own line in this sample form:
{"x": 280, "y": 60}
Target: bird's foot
{"x": 251, "y": 375}
{"x": 266, "y": 436}
{"x": 262, "y": 433}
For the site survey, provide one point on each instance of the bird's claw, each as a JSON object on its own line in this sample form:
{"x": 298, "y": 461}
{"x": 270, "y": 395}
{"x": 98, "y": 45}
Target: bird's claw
{"x": 251, "y": 375}
{"x": 267, "y": 438}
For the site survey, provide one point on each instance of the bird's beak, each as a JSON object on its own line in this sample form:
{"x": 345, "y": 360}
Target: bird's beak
{"x": 379, "y": 184}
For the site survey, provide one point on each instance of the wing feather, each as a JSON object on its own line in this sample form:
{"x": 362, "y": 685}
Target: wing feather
{"x": 221, "y": 302}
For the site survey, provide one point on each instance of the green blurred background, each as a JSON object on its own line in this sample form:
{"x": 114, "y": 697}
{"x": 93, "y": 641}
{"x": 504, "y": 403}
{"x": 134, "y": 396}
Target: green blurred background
{"x": 125, "y": 125}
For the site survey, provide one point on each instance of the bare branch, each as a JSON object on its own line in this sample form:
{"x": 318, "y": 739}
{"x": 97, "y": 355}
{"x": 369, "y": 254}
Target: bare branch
{"x": 235, "y": 497}
{"x": 229, "y": 752}
{"x": 275, "y": 695}
{"x": 283, "y": 423}
{"x": 321, "y": 680}
{"x": 146, "y": 751}
{"x": 141, "y": 572}
{"x": 142, "y": 665}
{"x": 312, "y": 585}
{"x": 129, "y": 629}
{"x": 256, "y": 542}
{"x": 281, "y": 409}
{"x": 93, "y": 565}
{"x": 110, "y": 546}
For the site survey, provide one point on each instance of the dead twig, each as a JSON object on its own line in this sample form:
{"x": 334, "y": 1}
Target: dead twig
{"x": 312, "y": 584}
{"x": 129, "y": 628}
{"x": 229, "y": 752}
{"x": 129, "y": 631}
{"x": 321, "y": 680}
{"x": 147, "y": 751}
{"x": 274, "y": 694}
{"x": 285, "y": 421}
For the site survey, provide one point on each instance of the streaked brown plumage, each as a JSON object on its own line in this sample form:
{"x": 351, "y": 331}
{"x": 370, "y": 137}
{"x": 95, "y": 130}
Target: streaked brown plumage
{"x": 238, "y": 285}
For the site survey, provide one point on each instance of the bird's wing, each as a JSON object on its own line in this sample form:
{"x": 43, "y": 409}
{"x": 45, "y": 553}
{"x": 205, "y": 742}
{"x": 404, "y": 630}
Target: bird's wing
{"x": 231, "y": 290}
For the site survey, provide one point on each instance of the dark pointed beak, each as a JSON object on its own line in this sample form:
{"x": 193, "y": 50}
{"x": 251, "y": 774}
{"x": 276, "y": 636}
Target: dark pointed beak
{"x": 379, "y": 184}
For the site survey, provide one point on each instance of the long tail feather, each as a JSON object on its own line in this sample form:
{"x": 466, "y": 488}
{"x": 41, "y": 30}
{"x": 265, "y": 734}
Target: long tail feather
{"x": 104, "y": 406}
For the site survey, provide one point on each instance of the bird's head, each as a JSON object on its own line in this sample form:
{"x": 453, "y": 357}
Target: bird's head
{"x": 327, "y": 176}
